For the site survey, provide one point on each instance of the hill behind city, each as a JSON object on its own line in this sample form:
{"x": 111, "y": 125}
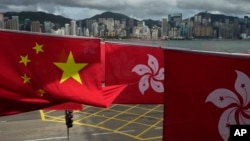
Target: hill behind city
{"x": 57, "y": 19}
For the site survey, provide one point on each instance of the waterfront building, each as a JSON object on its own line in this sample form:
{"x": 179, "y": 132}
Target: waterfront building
{"x": 164, "y": 27}
{"x": 175, "y": 19}
{"x": 131, "y": 23}
{"x": 15, "y": 23}
{"x": 73, "y": 27}
{"x": 116, "y": 24}
{"x": 236, "y": 29}
{"x": 190, "y": 26}
{"x": 27, "y": 24}
{"x": 155, "y": 34}
{"x": 35, "y": 26}
{"x": 7, "y": 24}
{"x": 67, "y": 29}
{"x": 87, "y": 32}
{"x": 1, "y": 21}
{"x": 101, "y": 29}
{"x": 95, "y": 29}
{"x": 123, "y": 24}
{"x": 101, "y": 20}
{"x": 110, "y": 24}
{"x": 89, "y": 23}
{"x": 47, "y": 27}
{"x": 79, "y": 31}
{"x": 123, "y": 33}
{"x": 62, "y": 31}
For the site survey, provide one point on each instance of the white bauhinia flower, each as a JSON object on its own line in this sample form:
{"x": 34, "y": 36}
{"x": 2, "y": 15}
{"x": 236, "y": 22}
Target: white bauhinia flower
{"x": 237, "y": 105}
{"x": 151, "y": 75}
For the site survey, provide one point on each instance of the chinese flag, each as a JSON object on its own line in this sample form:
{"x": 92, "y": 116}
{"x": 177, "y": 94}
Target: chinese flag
{"x": 140, "y": 67}
{"x": 205, "y": 94}
{"x": 39, "y": 71}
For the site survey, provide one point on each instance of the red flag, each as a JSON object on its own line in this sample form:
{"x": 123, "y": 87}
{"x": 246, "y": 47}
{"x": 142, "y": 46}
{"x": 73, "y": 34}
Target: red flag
{"x": 103, "y": 60}
{"x": 205, "y": 94}
{"x": 39, "y": 71}
{"x": 141, "y": 67}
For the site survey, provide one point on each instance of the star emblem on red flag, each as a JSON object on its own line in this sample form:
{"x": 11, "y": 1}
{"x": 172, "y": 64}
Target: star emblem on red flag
{"x": 25, "y": 59}
{"x": 70, "y": 69}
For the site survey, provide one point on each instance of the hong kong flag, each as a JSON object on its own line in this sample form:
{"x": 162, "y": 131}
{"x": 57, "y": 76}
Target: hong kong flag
{"x": 205, "y": 94}
{"x": 140, "y": 67}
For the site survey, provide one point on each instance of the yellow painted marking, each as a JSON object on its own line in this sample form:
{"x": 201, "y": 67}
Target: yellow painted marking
{"x": 131, "y": 121}
{"x": 42, "y": 115}
{"x": 47, "y": 116}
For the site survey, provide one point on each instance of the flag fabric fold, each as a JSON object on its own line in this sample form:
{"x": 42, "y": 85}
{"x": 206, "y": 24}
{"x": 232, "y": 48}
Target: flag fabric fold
{"x": 40, "y": 70}
{"x": 140, "y": 67}
{"x": 205, "y": 94}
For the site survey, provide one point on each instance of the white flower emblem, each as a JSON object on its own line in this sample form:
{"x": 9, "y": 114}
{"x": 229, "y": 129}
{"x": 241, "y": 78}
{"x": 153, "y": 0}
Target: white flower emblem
{"x": 151, "y": 75}
{"x": 237, "y": 105}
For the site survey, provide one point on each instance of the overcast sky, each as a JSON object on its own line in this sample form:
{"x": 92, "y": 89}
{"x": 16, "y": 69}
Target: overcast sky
{"x": 140, "y": 9}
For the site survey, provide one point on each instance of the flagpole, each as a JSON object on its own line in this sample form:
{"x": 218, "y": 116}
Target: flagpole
{"x": 68, "y": 133}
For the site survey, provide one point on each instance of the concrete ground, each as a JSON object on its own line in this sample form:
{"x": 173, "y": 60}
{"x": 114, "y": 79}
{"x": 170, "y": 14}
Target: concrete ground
{"x": 119, "y": 122}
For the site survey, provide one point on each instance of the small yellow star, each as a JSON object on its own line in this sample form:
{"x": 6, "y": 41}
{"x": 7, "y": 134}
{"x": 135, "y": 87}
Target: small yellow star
{"x": 38, "y": 48}
{"x": 70, "y": 69}
{"x": 25, "y": 78}
{"x": 41, "y": 91}
{"x": 24, "y": 59}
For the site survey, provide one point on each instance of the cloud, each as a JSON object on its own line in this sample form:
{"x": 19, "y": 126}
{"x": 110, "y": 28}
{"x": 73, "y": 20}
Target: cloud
{"x": 229, "y": 7}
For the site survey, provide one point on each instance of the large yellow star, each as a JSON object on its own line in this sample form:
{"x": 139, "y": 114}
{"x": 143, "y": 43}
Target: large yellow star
{"x": 70, "y": 69}
{"x": 38, "y": 48}
{"x": 24, "y": 59}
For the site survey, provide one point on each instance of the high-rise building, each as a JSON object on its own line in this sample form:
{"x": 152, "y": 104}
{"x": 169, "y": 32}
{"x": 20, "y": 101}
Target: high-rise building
{"x": 87, "y": 32}
{"x": 1, "y": 21}
{"x": 154, "y": 34}
{"x": 47, "y": 26}
{"x": 79, "y": 31}
{"x": 73, "y": 27}
{"x": 131, "y": 23}
{"x": 35, "y": 26}
{"x": 67, "y": 29}
{"x": 110, "y": 24}
{"x": 95, "y": 29}
{"x": 123, "y": 24}
{"x": 164, "y": 27}
{"x": 27, "y": 25}
{"x": 15, "y": 23}
{"x": 89, "y": 23}
{"x": 175, "y": 20}
{"x": 8, "y": 24}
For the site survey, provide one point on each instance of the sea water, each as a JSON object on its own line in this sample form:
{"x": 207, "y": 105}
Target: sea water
{"x": 229, "y": 46}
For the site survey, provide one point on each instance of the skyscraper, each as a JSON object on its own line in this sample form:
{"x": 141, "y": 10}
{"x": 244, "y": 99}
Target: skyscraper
{"x": 67, "y": 29}
{"x": 164, "y": 27}
{"x": 35, "y": 26}
{"x": 175, "y": 19}
{"x": 73, "y": 27}
{"x": 95, "y": 29}
{"x": 1, "y": 21}
{"x": 15, "y": 23}
{"x": 47, "y": 27}
{"x": 27, "y": 25}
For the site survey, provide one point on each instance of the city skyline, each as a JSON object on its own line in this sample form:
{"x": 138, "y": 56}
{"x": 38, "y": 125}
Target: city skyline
{"x": 139, "y": 9}
{"x": 202, "y": 25}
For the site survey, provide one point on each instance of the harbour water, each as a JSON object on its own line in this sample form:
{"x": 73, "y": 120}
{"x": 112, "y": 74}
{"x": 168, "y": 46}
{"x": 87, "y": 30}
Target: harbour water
{"x": 229, "y": 46}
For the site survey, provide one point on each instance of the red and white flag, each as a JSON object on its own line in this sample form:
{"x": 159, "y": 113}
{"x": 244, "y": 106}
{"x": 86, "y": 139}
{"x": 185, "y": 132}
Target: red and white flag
{"x": 140, "y": 67}
{"x": 205, "y": 94}
{"x": 39, "y": 71}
